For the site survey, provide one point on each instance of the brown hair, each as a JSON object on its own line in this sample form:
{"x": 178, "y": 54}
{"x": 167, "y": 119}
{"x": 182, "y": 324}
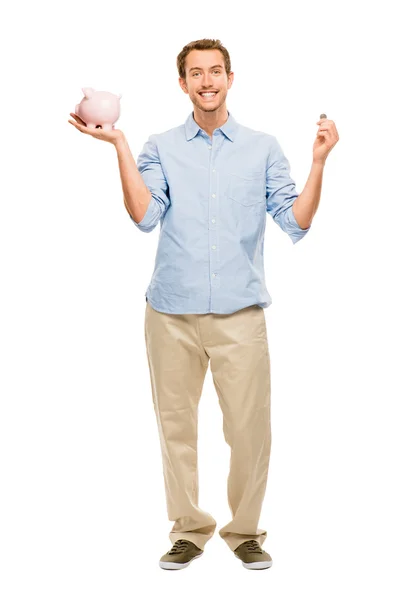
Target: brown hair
{"x": 205, "y": 44}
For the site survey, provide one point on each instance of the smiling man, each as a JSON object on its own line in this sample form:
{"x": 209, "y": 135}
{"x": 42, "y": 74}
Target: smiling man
{"x": 207, "y": 86}
{"x": 210, "y": 183}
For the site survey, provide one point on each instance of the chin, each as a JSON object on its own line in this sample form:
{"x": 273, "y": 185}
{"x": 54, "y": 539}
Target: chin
{"x": 205, "y": 108}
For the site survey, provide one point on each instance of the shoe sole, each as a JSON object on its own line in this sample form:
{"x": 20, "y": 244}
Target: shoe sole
{"x": 170, "y": 566}
{"x": 266, "y": 564}
{"x": 258, "y": 565}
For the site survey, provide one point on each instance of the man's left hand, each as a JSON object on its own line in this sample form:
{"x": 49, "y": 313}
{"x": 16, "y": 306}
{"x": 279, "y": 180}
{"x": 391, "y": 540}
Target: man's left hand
{"x": 327, "y": 137}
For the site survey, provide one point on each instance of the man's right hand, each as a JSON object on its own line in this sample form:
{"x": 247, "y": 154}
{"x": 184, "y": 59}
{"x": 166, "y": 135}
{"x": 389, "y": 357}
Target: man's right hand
{"x": 107, "y": 135}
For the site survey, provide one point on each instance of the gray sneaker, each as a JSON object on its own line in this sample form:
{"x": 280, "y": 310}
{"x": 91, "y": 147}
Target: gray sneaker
{"x": 252, "y": 555}
{"x": 181, "y": 555}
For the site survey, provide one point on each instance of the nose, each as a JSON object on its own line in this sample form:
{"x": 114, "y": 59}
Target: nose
{"x": 207, "y": 81}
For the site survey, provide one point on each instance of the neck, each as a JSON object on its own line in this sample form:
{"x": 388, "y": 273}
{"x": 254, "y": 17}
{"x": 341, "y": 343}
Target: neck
{"x": 209, "y": 121}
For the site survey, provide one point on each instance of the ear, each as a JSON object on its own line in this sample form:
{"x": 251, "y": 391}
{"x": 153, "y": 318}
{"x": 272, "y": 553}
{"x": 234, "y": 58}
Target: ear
{"x": 183, "y": 84}
{"x": 88, "y": 92}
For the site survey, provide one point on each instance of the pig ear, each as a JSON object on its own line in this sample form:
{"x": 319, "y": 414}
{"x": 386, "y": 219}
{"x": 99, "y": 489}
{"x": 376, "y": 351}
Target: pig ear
{"x": 88, "y": 92}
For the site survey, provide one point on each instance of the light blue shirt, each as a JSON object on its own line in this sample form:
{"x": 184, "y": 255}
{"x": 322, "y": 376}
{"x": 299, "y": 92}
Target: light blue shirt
{"x": 211, "y": 196}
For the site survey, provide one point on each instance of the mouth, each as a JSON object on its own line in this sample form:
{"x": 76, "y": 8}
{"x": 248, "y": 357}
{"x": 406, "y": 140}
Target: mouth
{"x": 208, "y": 95}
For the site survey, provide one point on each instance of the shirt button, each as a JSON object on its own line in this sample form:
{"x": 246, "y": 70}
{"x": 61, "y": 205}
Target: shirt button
{"x": 213, "y": 274}
{"x": 209, "y": 147}
{"x": 213, "y": 170}
{"x": 213, "y": 195}
{"x": 213, "y": 220}
{"x": 214, "y": 247}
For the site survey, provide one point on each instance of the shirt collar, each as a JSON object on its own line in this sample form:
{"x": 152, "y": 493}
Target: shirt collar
{"x": 229, "y": 128}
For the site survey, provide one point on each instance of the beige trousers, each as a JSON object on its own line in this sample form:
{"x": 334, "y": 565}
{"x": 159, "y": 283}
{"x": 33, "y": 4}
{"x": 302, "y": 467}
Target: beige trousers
{"x": 178, "y": 350}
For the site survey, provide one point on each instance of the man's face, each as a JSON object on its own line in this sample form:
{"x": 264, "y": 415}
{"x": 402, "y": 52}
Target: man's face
{"x": 205, "y": 70}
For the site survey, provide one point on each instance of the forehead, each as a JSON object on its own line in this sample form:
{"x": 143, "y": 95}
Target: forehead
{"x": 204, "y": 58}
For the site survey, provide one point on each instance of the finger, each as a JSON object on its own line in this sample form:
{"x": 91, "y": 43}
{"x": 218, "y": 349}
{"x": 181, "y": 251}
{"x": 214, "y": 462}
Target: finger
{"x": 77, "y": 118}
{"x": 324, "y": 134}
{"x": 330, "y": 125}
{"x": 74, "y": 123}
{"x": 80, "y": 127}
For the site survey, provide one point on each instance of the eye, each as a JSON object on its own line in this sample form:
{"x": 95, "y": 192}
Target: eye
{"x": 215, "y": 71}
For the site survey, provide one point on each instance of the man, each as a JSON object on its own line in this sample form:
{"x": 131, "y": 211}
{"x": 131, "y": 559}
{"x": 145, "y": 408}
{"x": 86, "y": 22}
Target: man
{"x": 210, "y": 183}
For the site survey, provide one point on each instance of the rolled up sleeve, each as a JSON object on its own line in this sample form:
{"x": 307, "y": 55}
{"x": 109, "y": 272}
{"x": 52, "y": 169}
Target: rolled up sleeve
{"x": 149, "y": 166}
{"x": 281, "y": 193}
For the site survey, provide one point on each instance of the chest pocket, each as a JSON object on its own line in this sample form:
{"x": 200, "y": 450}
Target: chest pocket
{"x": 247, "y": 188}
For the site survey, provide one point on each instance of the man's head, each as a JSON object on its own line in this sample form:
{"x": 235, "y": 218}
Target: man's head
{"x": 205, "y": 65}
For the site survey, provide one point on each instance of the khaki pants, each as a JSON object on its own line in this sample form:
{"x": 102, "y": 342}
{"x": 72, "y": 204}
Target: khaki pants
{"x": 178, "y": 350}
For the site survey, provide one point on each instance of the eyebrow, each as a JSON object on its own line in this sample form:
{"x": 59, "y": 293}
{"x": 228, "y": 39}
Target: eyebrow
{"x": 200, "y": 69}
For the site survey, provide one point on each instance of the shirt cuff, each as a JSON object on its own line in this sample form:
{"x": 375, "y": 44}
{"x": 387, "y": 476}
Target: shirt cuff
{"x": 150, "y": 216}
{"x": 295, "y": 232}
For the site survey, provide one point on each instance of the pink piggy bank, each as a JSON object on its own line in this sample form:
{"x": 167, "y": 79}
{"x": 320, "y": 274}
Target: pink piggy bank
{"x": 98, "y": 108}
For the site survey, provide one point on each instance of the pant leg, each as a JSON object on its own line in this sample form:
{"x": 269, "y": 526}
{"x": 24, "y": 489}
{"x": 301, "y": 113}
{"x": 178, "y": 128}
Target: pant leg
{"x": 178, "y": 365}
{"x": 239, "y": 360}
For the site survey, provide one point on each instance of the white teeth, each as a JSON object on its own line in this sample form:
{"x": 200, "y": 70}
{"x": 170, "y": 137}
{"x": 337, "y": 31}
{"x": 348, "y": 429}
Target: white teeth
{"x": 208, "y": 94}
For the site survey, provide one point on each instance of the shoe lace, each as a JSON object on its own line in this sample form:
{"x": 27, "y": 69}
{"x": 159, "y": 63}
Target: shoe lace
{"x": 253, "y": 546}
{"x": 179, "y": 547}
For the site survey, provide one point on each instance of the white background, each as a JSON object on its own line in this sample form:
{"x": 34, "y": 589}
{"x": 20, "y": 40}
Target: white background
{"x": 82, "y": 506}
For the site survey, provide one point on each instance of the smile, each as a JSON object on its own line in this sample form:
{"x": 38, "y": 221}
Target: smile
{"x": 208, "y": 94}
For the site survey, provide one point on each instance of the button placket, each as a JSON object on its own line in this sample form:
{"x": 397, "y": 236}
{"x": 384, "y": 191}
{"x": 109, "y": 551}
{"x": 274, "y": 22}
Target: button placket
{"x": 213, "y": 228}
